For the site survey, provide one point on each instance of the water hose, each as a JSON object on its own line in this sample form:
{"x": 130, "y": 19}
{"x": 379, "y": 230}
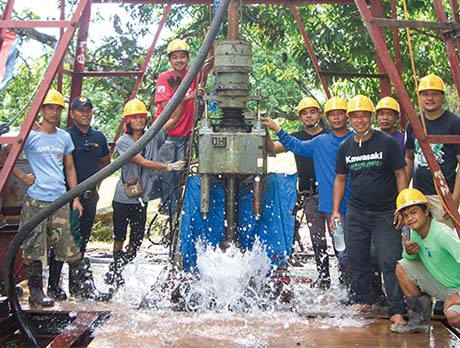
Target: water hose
{"x": 42, "y": 214}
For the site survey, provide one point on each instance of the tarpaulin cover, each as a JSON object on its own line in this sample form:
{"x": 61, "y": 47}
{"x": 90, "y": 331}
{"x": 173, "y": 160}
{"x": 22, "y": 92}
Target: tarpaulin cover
{"x": 275, "y": 228}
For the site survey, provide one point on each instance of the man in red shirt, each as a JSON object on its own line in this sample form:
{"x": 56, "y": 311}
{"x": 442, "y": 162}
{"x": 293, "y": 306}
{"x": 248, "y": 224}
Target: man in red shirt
{"x": 174, "y": 147}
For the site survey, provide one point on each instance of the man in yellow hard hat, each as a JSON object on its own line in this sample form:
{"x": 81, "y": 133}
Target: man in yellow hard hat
{"x": 49, "y": 153}
{"x": 91, "y": 154}
{"x": 309, "y": 113}
{"x": 375, "y": 165}
{"x": 387, "y": 112}
{"x": 174, "y": 149}
{"x": 136, "y": 186}
{"x": 321, "y": 150}
{"x": 441, "y": 122}
{"x": 430, "y": 265}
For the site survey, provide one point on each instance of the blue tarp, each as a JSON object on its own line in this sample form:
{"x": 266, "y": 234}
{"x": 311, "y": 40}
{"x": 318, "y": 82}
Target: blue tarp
{"x": 275, "y": 228}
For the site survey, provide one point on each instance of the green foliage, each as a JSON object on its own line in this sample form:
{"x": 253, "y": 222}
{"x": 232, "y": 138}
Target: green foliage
{"x": 282, "y": 67}
{"x": 102, "y": 232}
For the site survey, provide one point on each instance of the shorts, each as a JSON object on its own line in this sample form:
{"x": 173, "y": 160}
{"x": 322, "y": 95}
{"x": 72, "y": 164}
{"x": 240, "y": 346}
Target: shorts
{"x": 54, "y": 231}
{"x": 420, "y": 276}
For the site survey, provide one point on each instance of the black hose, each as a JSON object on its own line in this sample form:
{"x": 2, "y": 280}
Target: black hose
{"x": 105, "y": 172}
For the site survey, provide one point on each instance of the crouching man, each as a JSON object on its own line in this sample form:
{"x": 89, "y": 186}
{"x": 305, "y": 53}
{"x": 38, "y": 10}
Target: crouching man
{"x": 430, "y": 266}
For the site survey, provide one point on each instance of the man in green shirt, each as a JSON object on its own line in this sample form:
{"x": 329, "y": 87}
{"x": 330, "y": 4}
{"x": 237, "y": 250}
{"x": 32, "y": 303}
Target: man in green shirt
{"x": 430, "y": 266}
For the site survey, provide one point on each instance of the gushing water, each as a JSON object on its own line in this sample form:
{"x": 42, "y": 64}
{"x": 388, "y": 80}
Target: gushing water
{"x": 231, "y": 280}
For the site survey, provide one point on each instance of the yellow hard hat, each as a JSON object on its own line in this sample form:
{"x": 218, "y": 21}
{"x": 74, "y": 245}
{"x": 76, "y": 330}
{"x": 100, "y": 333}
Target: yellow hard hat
{"x": 54, "y": 97}
{"x": 134, "y": 107}
{"x": 408, "y": 197}
{"x": 307, "y": 102}
{"x": 177, "y": 45}
{"x": 431, "y": 82}
{"x": 388, "y": 103}
{"x": 360, "y": 103}
{"x": 335, "y": 103}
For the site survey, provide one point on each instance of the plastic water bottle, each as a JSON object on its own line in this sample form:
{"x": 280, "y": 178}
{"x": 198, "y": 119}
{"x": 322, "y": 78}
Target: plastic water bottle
{"x": 406, "y": 232}
{"x": 339, "y": 237}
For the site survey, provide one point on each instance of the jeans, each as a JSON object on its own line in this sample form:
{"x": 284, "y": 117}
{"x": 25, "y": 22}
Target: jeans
{"x": 172, "y": 150}
{"x": 363, "y": 228}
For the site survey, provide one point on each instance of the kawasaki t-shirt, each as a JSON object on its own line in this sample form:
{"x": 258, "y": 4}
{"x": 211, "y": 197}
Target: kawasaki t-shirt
{"x": 445, "y": 154}
{"x": 371, "y": 169}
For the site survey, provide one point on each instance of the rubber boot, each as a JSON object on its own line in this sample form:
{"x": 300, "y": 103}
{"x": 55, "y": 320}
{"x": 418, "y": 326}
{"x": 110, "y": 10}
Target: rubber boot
{"x": 54, "y": 290}
{"x": 113, "y": 276}
{"x": 34, "y": 275}
{"x": 81, "y": 282}
{"x": 419, "y": 309}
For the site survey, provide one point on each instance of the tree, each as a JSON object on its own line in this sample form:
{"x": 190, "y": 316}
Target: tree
{"x": 282, "y": 66}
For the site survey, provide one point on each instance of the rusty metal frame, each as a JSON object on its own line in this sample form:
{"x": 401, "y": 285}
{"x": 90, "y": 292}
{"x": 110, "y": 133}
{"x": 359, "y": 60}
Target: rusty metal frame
{"x": 147, "y": 59}
{"x": 310, "y": 49}
{"x": 450, "y": 44}
{"x": 18, "y": 142}
{"x": 382, "y": 51}
{"x": 374, "y": 23}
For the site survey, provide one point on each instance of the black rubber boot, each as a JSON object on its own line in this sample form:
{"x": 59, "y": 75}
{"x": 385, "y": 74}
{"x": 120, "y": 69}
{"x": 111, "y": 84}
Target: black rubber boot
{"x": 113, "y": 276}
{"x": 34, "y": 275}
{"x": 81, "y": 282}
{"x": 419, "y": 309}
{"x": 54, "y": 290}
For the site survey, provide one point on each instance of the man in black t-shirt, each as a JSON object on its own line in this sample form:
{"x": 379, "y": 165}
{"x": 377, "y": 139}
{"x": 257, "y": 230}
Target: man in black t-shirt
{"x": 441, "y": 122}
{"x": 309, "y": 113}
{"x": 375, "y": 164}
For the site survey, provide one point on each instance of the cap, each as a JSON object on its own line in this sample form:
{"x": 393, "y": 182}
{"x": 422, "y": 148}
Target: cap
{"x": 79, "y": 102}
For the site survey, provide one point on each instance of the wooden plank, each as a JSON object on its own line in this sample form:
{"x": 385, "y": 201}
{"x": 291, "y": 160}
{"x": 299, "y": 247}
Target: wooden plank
{"x": 82, "y": 323}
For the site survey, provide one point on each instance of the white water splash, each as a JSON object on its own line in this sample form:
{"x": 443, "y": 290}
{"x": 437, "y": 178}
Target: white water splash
{"x": 231, "y": 280}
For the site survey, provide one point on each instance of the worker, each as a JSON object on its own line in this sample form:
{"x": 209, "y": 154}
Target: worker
{"x": 177, "y": 140}
{"x": 309, "y": 113}
{"x": 375, "y": 165}
{"x": 430, "y": 266}
{"x": 134, "y": 188}
{"x": 91, "y": 154}
{"x": 387, "y": 112}
{"x": 320, "y": 150}
{"x": 49, "y": 153}
{"x": 438, "y": 121}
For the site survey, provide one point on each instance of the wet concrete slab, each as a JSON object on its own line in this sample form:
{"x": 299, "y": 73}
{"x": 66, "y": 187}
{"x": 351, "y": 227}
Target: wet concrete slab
{"x": 129, "y": 327}
{"x": 264, "y": 330}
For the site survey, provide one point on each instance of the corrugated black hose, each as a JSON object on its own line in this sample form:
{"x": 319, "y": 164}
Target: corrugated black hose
{"x": 111, "y": 168}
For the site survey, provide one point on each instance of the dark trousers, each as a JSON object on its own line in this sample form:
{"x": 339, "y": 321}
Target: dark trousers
{"x": 133, "y": 214}
{"x": 316, "y": 225}
{"x": 87, "y": 219}
{"x": 363, "y": 228}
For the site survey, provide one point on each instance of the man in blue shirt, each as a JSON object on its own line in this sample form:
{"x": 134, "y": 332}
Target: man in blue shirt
{"x": 323, "y": 150}
{"x": 91, "y": 154}
{"x": 309, "y": 113}
{"x": 49, "y": 153}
